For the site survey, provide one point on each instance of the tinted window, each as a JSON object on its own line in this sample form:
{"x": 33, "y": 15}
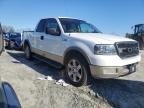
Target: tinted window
{"x": 41, "y": 26}
{"x": 52, "y": 24}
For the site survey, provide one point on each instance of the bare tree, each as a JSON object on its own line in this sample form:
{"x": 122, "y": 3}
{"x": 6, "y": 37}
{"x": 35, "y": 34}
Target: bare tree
{"x": 8, "y": 29}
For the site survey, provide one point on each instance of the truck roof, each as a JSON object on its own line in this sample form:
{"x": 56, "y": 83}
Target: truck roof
{"x": 139, "y": 24}
{"x": 62, "y": 17}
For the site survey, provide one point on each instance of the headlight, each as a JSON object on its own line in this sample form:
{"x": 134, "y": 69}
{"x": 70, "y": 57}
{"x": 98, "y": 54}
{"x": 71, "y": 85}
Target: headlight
{"x": 104, "y": 49}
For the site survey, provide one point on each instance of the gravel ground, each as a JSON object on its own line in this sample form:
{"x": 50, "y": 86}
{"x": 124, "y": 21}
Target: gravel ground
{"x": 24, "y": 75}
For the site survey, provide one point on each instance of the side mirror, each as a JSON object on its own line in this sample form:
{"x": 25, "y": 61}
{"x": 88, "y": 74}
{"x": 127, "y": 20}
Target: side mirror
{"x": 1, "y": 39}
{"x": 11, "y": 97}
{"x": 53, "y": 31}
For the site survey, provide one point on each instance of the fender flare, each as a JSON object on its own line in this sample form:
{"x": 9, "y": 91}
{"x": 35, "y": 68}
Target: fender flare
{"x": 82, "y": 52}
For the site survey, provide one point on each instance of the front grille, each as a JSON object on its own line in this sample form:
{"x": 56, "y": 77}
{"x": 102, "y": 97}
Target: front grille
{"x": 127, "y": 49}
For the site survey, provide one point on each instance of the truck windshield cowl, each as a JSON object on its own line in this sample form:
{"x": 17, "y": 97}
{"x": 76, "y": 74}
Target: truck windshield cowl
{"x": 77, "y": 26}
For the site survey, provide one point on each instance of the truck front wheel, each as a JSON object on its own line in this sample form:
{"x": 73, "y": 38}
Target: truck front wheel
{"x": 77, "y": 70}
{"x": 27, "y": 52}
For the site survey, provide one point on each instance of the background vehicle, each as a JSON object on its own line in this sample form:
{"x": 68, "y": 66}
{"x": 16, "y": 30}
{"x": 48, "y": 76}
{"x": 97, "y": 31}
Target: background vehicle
{"x": 82, "y": 49}
{"x": 1, "y": 40}
{"x": 13, "y": 40}
{"x": 8, "y": 97}
{"x": 138, "y": 35}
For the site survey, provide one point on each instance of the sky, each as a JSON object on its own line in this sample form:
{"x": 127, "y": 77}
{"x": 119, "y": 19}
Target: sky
{"x": 109, "y": 16}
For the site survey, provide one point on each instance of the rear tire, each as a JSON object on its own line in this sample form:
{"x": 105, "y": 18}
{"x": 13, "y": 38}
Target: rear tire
{"x": 27, "y": 52}
{"x": 77, "y": 70}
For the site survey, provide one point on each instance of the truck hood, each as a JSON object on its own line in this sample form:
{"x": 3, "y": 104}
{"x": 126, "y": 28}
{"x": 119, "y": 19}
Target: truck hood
{"x": 99, "y": 38}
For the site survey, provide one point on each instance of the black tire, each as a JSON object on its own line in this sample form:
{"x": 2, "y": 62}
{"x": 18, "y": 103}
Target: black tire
{"x": 8, "y": 47}
{"x": 85, "y": 73}
{"x": 27, "y": 52}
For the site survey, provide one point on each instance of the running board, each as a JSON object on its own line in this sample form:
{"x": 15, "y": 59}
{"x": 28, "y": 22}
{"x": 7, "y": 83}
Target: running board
{"x": 48, "y": 61}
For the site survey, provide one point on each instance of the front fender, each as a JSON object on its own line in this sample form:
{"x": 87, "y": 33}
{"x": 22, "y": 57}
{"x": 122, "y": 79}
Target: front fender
{"x": 81, "y": 47}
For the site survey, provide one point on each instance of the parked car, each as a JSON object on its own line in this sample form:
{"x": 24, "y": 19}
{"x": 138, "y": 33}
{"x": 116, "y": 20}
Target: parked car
{"x": 8, "y": 97}
{"x": 82, "y": 49}
{"x": 13, "y": 41}
{"x": 1, "y": 40}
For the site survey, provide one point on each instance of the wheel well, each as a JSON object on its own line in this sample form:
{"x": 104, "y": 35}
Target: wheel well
{"x": 71, "y": 52}
{"x": 75, "y": 52}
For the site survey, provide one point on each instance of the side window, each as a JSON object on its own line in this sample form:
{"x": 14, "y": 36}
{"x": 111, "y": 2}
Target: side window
{"x": 41, "y": 26}
{"x": 53, "y": 25}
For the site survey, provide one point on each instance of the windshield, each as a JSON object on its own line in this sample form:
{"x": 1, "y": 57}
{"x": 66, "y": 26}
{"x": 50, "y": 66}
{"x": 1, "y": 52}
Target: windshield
{"x": 77, "y": 26}
{"x": 141, "y": 28}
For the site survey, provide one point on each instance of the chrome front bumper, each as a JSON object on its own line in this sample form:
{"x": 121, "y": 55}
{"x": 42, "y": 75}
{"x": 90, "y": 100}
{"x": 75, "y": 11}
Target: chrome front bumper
{"x": 110, "y": 72}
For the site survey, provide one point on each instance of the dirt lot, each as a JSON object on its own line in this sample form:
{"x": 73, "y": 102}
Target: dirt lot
{"x": 24, "y": 76}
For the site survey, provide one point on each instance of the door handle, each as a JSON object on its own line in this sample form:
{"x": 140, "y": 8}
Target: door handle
{"x": 42, "y": 37}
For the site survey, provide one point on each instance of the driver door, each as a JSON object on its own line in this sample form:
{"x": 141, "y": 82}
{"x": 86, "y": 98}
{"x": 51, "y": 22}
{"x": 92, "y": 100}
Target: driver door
{"x": 52, "y": 45}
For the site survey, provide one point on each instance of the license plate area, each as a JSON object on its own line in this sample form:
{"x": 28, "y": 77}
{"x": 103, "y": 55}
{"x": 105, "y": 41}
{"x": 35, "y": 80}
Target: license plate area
{"x": 131, "y": 68}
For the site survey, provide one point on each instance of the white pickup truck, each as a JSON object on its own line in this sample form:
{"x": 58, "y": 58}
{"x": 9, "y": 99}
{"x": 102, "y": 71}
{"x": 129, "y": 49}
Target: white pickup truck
{"x": 82, "y": 49}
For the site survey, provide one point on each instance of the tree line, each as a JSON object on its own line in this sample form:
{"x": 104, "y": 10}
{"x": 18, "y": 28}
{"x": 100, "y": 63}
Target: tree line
{"x": 7, "y": 29}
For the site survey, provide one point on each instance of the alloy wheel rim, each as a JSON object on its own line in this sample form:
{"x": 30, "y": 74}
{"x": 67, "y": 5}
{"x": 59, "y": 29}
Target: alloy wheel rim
{"x": 74, "y": 70}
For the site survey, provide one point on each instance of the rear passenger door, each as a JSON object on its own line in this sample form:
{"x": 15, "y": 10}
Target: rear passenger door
{"x": 39, "y": 35}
